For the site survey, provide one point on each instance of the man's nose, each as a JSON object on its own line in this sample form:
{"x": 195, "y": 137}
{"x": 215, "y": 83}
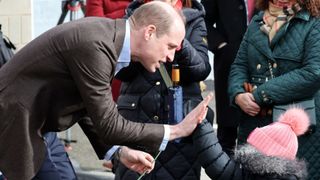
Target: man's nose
{"x": 170, "y": 56}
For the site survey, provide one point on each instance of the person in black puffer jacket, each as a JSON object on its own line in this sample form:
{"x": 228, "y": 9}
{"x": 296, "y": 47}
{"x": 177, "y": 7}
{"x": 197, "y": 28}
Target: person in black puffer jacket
{"x": 270, "y": 152}
{"x": 144, "y": 96}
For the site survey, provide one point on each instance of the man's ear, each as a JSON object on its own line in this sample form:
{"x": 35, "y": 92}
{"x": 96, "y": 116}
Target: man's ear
{"x": 150, "y": 31}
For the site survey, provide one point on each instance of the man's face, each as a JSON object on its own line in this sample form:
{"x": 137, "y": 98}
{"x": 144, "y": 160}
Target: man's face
{"x": 161, "y": 49}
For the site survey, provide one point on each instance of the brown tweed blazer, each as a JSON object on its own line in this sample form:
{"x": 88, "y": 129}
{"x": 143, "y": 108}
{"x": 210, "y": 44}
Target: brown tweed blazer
{"x": 54, "y": 80}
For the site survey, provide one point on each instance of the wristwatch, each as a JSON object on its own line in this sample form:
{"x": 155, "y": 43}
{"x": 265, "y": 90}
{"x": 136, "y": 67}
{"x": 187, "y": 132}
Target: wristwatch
{"x": 115, "y": 159}
{"x": 116, "y": 155}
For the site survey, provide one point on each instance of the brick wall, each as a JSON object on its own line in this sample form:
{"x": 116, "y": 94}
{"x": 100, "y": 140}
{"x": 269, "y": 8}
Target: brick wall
{"x": 15, "y": 17}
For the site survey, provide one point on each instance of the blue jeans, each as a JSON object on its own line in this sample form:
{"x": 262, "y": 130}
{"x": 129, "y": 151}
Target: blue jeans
{"x": 56, "y": 165}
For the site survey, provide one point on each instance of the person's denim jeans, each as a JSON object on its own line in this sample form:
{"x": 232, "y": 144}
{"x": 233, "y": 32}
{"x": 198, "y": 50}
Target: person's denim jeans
{"x": 57, "y": 165}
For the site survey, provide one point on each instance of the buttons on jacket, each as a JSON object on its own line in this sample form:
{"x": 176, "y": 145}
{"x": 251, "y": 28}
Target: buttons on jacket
{"x": 275, "y": 65}
{"x": 133, "y": 105}
{"x": 158, "y": 83}
{"x": 156, "y": 118}
{"x": 254, "y": 87}
{"x": 258, "y": 66}
{"x": 265, "y": 98}
{"x": 256, "y": 79}
{"x": 241, "y": 7}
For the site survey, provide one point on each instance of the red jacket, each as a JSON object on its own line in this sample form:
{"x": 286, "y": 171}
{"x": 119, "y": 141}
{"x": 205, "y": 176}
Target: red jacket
{"x": 107, "y": 8}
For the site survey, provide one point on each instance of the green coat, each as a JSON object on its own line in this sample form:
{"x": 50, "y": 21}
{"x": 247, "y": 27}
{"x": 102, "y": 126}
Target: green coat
{"x": 294, "y": 55}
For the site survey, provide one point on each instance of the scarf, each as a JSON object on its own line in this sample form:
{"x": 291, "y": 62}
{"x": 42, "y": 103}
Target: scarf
{"x": 275, "y": 17}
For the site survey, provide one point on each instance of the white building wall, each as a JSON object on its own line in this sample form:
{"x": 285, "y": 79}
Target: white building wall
{"x": 16, "y": 20}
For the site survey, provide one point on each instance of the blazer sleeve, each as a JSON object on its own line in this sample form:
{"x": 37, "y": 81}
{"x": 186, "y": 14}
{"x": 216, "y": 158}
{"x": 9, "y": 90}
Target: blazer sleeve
{"x": 99, "y": 146}
{"x": 91, "y": 65}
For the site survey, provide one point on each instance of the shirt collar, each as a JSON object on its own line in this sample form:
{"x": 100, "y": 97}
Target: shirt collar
{"x": 124, "y": 57}
{"x": 125, "y": 51}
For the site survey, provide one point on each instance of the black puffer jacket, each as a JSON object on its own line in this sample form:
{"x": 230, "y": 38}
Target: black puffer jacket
{"x": 143, "y": 97}
{"x": 248, "y": 163}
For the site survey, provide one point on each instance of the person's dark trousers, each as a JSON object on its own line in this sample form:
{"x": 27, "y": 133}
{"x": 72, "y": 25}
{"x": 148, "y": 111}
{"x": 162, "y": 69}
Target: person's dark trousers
{"x": 227, "y": 138}
{"x": 57, "y": 165}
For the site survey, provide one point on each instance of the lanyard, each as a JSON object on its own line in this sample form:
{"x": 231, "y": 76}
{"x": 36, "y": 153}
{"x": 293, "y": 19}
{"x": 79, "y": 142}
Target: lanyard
{"x": 165, "y": 76}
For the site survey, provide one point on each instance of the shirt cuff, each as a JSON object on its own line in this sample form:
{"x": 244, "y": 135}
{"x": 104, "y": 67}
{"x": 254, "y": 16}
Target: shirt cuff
{"x": 110, "y": 153}
{"x": 165, "y": 138}
{"x": 163, "y": 145}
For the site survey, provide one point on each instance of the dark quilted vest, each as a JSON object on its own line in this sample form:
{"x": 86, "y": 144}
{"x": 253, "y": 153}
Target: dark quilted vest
{"x": 145, "y": 100}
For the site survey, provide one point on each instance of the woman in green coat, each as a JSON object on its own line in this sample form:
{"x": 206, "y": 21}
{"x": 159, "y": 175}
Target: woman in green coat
{"x": 279, "y": 63}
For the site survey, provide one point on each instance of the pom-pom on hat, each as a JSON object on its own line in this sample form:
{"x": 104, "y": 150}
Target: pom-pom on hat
{"x": 280, "y": 138}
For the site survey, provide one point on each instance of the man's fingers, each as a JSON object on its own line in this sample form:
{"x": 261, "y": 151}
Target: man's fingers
{"x": 146, "y": 163}
{"x": 203, "y": 115}
{"x": 141, "y": 169}
{"x": 203, "y": 107}
{"x": 137, "y": 161}
{"x": 108, "y": 164}
{"x": 151, "y": 160}
{"x": 137, "y": 168}
{"x": 204, "y": 103}
{"x": 207, "y": 99}
{"x": 149, "y": 157}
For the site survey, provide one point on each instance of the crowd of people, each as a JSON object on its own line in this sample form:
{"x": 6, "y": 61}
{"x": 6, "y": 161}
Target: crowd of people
{"x": 104, "y": 73}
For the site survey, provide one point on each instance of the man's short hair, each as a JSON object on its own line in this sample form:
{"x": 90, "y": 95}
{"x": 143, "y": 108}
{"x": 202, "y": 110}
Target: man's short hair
{"x": 160, "y": 14}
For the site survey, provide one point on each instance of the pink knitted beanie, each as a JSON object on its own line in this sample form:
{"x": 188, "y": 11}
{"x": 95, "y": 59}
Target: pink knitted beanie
{"x": 280, "y": 138}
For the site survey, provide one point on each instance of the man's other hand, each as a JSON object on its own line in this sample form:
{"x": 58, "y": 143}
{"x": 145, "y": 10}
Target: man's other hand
{"x": 136, "y": 160}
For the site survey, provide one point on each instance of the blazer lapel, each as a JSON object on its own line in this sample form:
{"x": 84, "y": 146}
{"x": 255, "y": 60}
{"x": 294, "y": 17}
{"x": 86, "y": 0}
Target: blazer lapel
{"x": 120, "y": 29}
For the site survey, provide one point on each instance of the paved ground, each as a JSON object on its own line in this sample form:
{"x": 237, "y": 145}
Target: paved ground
{"x": 85, "y": 161}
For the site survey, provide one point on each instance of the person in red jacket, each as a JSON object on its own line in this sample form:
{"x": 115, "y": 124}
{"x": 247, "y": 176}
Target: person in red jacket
{"x": 109, "y": 9}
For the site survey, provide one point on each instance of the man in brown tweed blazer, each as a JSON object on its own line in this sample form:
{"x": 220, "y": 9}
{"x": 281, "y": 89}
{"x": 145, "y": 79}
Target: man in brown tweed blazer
{"x": 65, "y": 74}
